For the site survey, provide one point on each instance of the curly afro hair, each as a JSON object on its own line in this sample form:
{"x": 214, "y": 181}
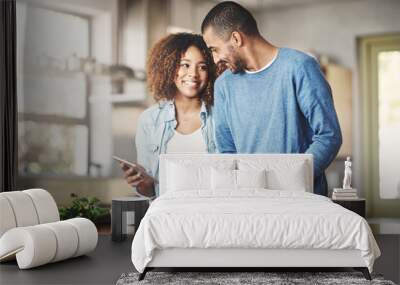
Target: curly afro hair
{"x": 163, "y": 64}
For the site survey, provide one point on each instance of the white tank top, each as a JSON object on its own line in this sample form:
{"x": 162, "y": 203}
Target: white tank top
{"x": 193, "y": 142}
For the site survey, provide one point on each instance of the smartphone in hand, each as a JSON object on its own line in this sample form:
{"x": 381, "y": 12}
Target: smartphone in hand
{"x": 124, "y": 161}
{"x": 135, "y": 166}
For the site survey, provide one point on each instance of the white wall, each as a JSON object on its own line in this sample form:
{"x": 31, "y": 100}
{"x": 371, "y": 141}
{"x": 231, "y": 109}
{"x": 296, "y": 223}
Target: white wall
{"x": 189, "y": 14}
{"x": 181, "y": 14}
{"x": 135, "y": 34}
{"x": 200, "y": 10}
{"x": 332, "y": 29}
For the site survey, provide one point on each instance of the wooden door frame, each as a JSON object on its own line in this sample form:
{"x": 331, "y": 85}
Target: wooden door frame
{"x": 368, "y": 48}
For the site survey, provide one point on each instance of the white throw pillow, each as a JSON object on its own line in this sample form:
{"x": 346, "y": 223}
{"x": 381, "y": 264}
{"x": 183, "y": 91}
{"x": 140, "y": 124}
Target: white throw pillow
{"x": 186, "y": 174}
{"x": 251, "y": 178}
{"x": 223, "y": 179}
{"x": 282, "y": 173}
{"x": 294, "y": 179}
{"x": 227, "y": 179}
{"x": 187, "y": 177}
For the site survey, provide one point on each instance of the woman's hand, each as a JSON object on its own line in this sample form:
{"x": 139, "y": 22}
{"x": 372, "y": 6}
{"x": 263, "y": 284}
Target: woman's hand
{"x": 137, "y": 177}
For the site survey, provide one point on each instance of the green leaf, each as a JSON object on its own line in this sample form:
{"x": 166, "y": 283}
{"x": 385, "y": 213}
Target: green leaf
{"x": 87, "y": 207}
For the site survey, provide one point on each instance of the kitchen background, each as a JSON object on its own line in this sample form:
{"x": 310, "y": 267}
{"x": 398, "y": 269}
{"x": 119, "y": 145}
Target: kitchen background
{"x": 82, "y": 84}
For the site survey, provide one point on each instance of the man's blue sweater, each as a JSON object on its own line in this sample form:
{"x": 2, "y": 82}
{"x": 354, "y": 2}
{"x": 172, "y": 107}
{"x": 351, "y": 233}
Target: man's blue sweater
{"x": 284, "y": 108}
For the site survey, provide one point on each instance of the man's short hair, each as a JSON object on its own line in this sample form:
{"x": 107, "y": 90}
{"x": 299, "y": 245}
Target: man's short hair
{"x": 229, "y": 16}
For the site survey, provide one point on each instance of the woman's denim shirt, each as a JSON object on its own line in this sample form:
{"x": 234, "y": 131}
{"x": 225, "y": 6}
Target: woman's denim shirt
{"x": 156, "y": 127}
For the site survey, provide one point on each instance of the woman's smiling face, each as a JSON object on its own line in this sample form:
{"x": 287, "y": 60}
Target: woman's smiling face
{"x": 192, "y": 74}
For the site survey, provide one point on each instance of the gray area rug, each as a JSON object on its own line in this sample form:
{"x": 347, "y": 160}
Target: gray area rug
{"x": 230, "y": 278}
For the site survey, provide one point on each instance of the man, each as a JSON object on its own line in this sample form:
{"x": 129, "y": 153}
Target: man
{"x": 270, "y": 100}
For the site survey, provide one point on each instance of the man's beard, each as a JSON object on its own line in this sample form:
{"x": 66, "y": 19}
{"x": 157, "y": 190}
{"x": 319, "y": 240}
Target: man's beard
{"x": 238, "y": 66}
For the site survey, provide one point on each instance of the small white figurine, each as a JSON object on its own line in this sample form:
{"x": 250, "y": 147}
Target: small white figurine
{"x": 347, "y": 174}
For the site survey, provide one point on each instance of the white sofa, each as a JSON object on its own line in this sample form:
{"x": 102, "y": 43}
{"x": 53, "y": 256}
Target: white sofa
{"x": 31, "y": 230}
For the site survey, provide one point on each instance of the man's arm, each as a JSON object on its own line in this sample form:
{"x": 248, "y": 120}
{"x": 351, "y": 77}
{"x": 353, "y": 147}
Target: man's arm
{"x": 315, "y": 100}
{"x": 223, "y": 135}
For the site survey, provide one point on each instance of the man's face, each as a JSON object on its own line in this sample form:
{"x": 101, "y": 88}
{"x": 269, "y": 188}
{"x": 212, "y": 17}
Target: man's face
{"x": 223, "y": 51}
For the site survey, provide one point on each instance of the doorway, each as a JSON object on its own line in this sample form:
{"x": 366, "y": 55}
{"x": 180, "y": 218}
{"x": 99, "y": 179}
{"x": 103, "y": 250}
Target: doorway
{"x": 380, "y": 90}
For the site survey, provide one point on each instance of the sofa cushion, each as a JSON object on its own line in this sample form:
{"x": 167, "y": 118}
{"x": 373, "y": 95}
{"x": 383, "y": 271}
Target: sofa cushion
{"x": 46, "y": 207}
{"x": 23, "y": 208}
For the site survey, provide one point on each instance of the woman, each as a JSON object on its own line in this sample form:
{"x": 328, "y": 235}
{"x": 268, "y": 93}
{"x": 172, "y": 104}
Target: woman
{"x": 181, "y": 74}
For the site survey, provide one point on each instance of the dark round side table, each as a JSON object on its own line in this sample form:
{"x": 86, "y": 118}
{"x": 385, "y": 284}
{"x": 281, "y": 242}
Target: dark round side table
{"x": 119, "y": 209}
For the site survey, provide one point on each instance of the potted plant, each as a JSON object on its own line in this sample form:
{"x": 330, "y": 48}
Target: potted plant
{"x": 86, "y": 207}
